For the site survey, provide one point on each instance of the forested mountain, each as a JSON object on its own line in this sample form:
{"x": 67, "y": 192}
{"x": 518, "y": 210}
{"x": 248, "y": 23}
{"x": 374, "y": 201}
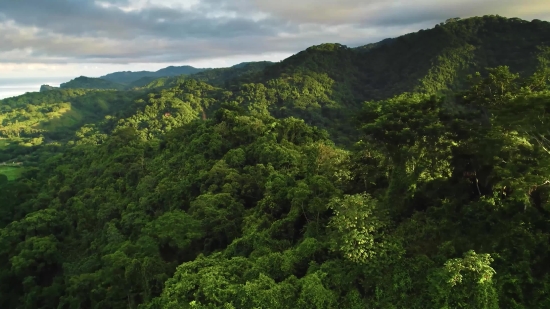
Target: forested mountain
{"x": 224, "y": 77}
{"x": 47, "y": 88}
{"x": 408, "y": 174}
{"x": 128, "y": 77}
{"x": 240, "y": 73}
{"x": 84, "y": 82}
{"x": 131, "y": 80}
{"x": 428, "y": 61}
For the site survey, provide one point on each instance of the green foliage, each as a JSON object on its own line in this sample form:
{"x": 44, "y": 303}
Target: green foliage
{"x": 3, "y": 179}
{"x": 136, "y": 78}
{"x": 244, "y": 72}
{"x": 466, "y": 283}
{"x": 11, "y": 172}
{"x": 359, "y": 223}
{"x": 84, "y": 82}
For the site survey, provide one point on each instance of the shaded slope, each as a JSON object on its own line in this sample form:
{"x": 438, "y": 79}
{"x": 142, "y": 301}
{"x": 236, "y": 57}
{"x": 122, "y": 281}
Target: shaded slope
{"x": 241, "y": 72}
{"x": 47, "y": 88}
{"x": 84, "y": 82}
{"x": 428, "y": 60}
{"x": 128, "y": 77}
{"x": 325, "y": 84}
{"x": 220, "y": 77}
{"x": 440, "y": 58}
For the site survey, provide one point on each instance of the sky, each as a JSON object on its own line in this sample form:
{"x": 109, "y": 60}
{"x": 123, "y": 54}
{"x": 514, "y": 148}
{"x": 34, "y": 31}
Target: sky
{"x": 60, "y": 38}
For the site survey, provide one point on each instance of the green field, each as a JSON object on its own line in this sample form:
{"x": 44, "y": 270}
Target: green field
{"x": 64, "y": 118}
{"x": 13, "y": 172}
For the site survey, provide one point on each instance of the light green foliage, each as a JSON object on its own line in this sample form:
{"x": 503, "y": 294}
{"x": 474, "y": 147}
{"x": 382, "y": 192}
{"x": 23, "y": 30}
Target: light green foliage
{"x": 11, "y": 172}
{"x": 175, "y": 228}
{"x": 360, "y": 224}
{"x": 466, "y": 283}
{"x": 447, "y": 69}
{"x": 409, "y": 130}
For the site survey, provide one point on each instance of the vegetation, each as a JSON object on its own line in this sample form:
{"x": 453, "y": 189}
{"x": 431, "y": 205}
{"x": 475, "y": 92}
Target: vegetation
{"x": 84, "y": 82}
{"x": 128, "y": 78}
{"x": 11, "y": 172}
{"x": 47, "y": 88}
{"x": 242, "y": 72}
{"x": 309, "y": 183}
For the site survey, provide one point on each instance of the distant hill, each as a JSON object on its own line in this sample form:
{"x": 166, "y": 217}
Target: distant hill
{"x": 128, "y": 77}
{"x": 327, "y": 83}
{"x": 254, "y": 63}
{"x": 239, "y": 73}
{"x": 84, "y": 82}
{"x": 242, "y": 72}
{"x": 47, "y": 88}
{"x": 432, "y": 60}
{"x": 144, "y": 81}
{"x": 216, "y": 76}
{"x": 371, "y": 46}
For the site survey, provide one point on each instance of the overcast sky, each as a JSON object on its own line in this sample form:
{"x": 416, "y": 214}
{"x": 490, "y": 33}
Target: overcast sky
{"x": 92, "y": 38}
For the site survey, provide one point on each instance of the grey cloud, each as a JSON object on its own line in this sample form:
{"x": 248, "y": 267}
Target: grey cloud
{"x": 87, "y": 18}
{"x": 393, "y": 12}
{"x": 56, "y": 49}
{"x": 59, "y": 31}
{"x": 52, "y": 48}
{"x": 418, "y": 12}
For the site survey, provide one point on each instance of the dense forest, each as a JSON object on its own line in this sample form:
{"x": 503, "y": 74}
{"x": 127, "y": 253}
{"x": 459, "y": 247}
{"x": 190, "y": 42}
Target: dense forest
{"x": 411, "y": 173}
{"x": 133, "y": 80}
{"x": 127, "y": 78}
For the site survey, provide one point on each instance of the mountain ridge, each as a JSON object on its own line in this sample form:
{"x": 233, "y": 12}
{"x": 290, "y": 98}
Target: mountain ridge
{"x": 386, "y": 69}
{"x": 370, "y": 66}
{"x": 333, "y": 79}
{"x": 127, "y": 77}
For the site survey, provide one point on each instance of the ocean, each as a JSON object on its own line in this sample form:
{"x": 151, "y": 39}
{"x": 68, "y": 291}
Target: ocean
{"x": 11, "y": 87}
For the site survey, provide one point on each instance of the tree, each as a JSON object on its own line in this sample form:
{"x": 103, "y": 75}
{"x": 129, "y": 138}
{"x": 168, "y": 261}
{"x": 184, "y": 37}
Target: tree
{"x": 465, "y": 283}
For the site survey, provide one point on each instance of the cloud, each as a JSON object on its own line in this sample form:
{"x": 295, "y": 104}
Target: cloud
{"x": 394, "y": 12}
{"x": 118, "y": 19}
{"x": 171, "y": 31}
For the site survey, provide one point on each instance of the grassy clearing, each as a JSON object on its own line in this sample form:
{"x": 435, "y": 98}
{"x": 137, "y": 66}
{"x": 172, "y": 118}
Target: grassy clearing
{"x": 63, "y": 119}
{"x": 13, "y": 172}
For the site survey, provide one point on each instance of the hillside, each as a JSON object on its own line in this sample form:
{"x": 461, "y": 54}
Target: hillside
{"x": 128, "y": 77}
{"x": 47, "y": 88}
{"x": 430, "y": 61}
{"x": 223, "y": 77}
{"x": 375, "y": 177}
{"x": 34, "y": 120}
{"x": 326, "y": 84}
{"x": 84, "y": 82}
{"x": 239, "y": 73}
